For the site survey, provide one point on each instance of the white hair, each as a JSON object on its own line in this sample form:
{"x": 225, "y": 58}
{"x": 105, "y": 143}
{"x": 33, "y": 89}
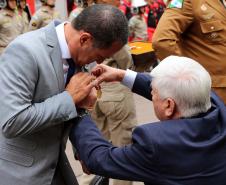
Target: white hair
{"x": 185, "y": 81}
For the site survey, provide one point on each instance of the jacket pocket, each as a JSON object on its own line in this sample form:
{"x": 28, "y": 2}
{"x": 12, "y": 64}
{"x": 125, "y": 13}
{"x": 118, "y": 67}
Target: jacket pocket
{"x": 22, "y": 143}
{"x": 16, "y": 157}
{"x": 213, "y": 31}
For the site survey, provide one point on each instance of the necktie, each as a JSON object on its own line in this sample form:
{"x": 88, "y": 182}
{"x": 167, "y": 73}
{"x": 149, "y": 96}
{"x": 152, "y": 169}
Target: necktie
{"x": 71, "y": 70}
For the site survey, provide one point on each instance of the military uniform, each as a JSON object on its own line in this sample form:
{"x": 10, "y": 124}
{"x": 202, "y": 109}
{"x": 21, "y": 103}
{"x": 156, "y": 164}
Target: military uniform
{"x": 42, "y": 17}
{"x": 8, "y": 28}
{"x": 74, "y": 13}
{"x": 114, "y": 113}
{"x": 138, "y": 28}
{"x": 23, "y": 22}
{"x": 196, "y": 29}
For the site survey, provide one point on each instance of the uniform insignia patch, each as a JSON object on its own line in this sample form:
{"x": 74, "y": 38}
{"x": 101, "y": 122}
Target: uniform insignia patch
{"x": 34, "y": 24}
{"x": 176, "y": 4}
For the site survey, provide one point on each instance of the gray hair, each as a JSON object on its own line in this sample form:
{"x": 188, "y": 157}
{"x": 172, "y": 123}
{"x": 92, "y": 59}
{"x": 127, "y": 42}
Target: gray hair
{"x": 185, "y": 81}
{"x": 106, "y": 23}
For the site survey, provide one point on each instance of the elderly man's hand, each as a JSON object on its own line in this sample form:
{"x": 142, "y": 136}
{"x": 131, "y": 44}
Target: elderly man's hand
{"x": 107, "y": 74}
{"x": 80, "y": 86}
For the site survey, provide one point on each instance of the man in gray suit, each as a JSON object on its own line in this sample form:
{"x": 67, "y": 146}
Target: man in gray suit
{"x": 35, "y": 106}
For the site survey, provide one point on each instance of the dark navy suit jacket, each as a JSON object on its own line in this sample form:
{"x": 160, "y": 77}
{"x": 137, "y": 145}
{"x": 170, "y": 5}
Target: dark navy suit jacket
{"x": 175, "y": 152}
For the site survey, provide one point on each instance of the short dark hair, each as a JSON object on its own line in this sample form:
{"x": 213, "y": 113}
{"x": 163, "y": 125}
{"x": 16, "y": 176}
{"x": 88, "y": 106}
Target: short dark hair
{"x": 106, "y": 23}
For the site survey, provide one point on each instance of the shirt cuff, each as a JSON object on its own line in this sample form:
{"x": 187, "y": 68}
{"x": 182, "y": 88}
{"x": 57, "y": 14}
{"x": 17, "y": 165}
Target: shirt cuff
{"x": 129, "y": 78}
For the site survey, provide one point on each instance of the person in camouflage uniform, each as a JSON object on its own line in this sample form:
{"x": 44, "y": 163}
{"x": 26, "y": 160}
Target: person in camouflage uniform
{"x": 8, "y": 23}
{"x": 44, "y": 15}
{"x": 24, "y": 22}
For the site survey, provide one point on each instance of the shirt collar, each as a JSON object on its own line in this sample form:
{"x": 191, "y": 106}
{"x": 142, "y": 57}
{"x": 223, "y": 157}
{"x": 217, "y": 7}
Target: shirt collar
{"x": 62, "y": 41}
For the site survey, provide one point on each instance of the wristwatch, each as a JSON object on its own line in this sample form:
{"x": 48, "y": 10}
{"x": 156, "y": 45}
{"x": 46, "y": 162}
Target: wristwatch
{"x": 81, "y": 112}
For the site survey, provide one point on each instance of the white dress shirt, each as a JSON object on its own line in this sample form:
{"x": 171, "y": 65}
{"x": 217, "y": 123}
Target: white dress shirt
{"x": 63, "y": 47}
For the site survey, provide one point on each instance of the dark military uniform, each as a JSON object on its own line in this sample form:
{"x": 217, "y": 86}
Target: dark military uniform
{"x": 196, "y": 29}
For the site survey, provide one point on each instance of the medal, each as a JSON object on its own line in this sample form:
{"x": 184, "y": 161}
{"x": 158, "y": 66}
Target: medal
{"x": 99, "y": 93}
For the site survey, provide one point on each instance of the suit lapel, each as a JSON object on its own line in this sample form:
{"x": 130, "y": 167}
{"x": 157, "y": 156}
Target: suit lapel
{"x": 218, "y": 6}
{"x": 55, "y": 53}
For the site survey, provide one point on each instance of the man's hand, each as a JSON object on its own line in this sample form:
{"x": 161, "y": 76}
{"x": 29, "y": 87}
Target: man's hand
{"x": 80, "y": 86}
{"x": 107, "y": 74}
{"x": 89, "y": 101}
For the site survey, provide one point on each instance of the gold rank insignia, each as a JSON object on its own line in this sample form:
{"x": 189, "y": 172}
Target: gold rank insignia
{"x": 34, "y": 24}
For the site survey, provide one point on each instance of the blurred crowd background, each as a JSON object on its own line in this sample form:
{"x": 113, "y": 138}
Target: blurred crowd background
{"x": 20, "y": 16}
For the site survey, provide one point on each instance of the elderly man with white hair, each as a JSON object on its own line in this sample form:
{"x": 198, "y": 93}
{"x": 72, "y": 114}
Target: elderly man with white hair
{"x": 186, "y": 147}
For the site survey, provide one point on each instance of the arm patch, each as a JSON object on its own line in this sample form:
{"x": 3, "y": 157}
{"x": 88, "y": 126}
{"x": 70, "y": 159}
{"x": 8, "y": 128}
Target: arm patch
{"x": 176, "y": 4}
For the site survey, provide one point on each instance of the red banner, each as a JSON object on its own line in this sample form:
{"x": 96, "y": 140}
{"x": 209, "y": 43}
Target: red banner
{"x": 31, "y": 4}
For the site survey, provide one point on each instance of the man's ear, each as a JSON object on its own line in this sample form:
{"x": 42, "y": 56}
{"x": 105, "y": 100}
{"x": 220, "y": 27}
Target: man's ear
{"x": 170, "y": 107}
{"x": 85, "y": 38}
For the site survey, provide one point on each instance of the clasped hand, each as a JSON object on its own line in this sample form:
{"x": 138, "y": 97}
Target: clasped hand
{"x": 82, "y": 86}
{"x": 82, "y": 90}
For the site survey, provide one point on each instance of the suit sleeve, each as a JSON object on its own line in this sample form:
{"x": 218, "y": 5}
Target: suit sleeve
{"x": 134, "y": 162}
{"x": 19, "y": 114}
{"x": 142, "y": 85}
{"x": 173, "y": 23}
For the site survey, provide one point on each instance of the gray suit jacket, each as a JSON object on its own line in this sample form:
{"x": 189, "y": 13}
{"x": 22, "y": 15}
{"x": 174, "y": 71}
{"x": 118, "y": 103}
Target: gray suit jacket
{"x": 33, "y": 109}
